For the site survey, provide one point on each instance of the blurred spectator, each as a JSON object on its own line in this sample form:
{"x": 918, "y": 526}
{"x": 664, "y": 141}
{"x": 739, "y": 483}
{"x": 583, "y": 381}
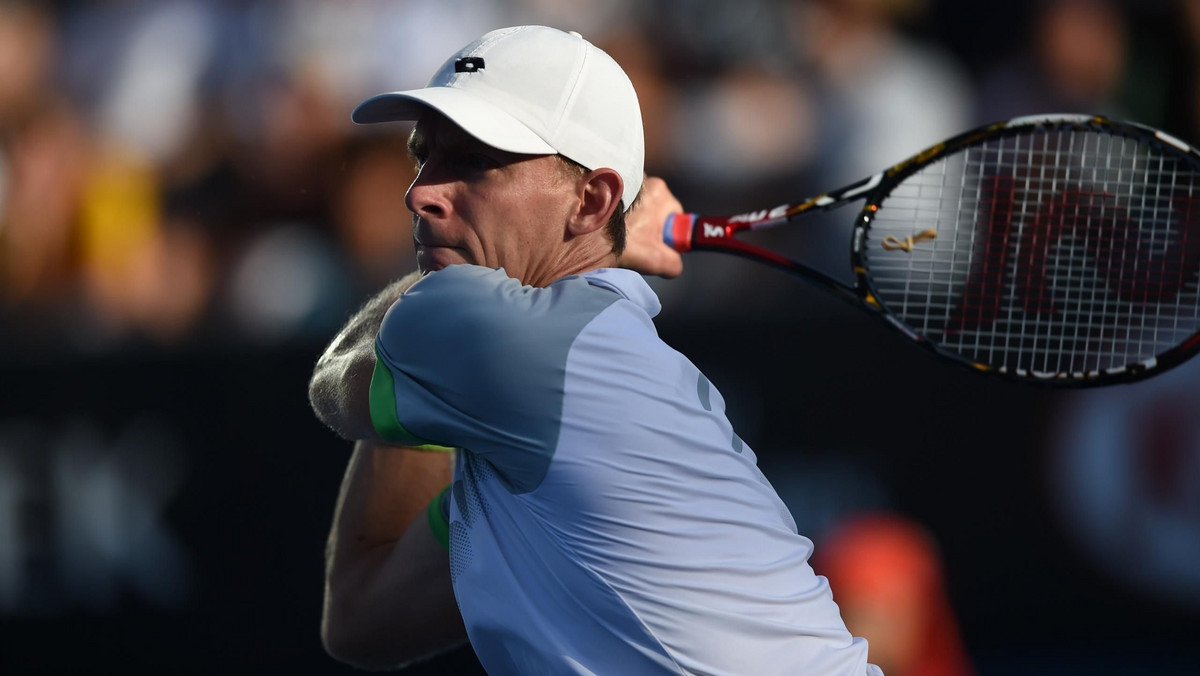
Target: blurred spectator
{"x": 373, "y": 224}
{"x": 287, "y": 284}
{"x": 26, "y": 49}
{"x": 594, "y": 20}
{"x": 286, "y": 281}
{"x": 42, "y": 155}
{"x": 886, "y": 96}
{"x": 44, "y": 158}
{"x": 702, "y": 37}
{"x": 86, "y": 256}
{"x": 140, "y": 272}
{"x": 151, "y": 84}
{"x": 741, "y": 121}
{"x": 1074, "y": 62}
{"x": 759, "y": 129}
{"x": 887, "y": 579}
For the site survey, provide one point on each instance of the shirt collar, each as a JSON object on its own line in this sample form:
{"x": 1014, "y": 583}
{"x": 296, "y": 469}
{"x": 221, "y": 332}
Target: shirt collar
{"x": 628, "y": 284}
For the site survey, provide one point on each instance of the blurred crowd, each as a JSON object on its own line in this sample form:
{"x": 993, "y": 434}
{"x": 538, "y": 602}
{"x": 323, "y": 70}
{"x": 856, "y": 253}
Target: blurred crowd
{"x": 184, "y": 172}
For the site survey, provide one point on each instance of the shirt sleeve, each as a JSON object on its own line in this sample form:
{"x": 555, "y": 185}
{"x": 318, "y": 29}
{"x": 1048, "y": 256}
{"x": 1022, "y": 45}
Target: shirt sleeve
{"x": 470, "y": 358}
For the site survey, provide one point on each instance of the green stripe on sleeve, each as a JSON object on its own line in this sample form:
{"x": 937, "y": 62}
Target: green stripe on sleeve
{"x": 383, "y": 409}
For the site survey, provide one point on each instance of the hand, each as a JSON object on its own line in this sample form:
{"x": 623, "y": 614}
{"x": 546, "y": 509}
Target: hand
{"x": 645, "y": 251}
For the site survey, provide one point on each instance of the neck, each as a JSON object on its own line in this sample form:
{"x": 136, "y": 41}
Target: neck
{"x": 574, "y": 257}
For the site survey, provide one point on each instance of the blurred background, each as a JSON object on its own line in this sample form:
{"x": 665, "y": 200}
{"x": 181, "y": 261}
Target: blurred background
{"x": 187, "y": 216}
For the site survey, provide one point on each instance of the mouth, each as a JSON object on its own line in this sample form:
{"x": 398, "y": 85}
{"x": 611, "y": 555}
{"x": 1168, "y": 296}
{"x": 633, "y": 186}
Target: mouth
{"x": 435, "y": 252}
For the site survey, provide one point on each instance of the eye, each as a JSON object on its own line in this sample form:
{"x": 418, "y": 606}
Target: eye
{"x": 473, "y": 163}
{"x": 419, "y": 157}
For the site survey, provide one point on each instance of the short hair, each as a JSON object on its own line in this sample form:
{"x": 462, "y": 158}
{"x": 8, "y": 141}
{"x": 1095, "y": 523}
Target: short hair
{"x": 615, "y": 228}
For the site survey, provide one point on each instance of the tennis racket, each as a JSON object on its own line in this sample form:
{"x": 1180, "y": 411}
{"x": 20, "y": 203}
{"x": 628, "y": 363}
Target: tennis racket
{"x": 1058, "y": 249}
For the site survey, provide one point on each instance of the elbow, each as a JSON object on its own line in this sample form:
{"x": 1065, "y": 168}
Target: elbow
{"x": 338, "y": 644}
{"x": 355, "y": 638}
{"x": 348, "y": 644}
{"x": 340, "y": 406}
{"x": 348, "y": 647}
{"x": 323, "y": 401}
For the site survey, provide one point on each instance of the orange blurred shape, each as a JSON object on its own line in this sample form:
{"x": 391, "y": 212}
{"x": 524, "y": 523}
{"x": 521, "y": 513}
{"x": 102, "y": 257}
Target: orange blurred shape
{"x": 886, "y": 576}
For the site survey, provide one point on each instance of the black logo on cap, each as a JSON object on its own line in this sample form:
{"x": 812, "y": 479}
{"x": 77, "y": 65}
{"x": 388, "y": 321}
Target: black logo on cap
{"x": 468, "y": 64}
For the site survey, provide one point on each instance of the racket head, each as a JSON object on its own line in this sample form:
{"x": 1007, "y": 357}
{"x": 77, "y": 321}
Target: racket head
{"x": 1062, "y": 250}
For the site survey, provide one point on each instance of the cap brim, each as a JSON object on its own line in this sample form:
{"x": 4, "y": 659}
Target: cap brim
{"x": 475, "y": 115}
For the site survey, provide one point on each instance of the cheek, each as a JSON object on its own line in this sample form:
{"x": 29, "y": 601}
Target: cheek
{"x": 524, "y": 219}
{"x": 550, "y": 208}
{"x": 521, "y": 217}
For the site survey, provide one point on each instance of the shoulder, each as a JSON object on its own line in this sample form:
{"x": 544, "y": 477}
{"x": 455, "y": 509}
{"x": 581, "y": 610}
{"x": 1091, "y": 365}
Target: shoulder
{"x": 455, "y": 285}
{"x": 486, "y": 301}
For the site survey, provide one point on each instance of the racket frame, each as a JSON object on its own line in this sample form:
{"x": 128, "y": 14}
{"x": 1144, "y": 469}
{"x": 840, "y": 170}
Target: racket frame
{"x": 695, "y": 232}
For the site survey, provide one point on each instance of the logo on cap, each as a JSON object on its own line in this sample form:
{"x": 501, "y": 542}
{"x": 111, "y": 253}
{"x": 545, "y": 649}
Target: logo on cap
{"x": 468, "y": 64}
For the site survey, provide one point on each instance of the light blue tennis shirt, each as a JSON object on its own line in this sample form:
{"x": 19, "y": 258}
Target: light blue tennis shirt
{"x": 605, "y": 517}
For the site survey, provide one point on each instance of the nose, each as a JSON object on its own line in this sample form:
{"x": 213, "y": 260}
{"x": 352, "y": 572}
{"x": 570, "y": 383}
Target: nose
{"x": 427, "y": 198}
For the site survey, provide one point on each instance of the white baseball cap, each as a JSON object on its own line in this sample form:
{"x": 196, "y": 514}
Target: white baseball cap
{"x": 533, "y": 90}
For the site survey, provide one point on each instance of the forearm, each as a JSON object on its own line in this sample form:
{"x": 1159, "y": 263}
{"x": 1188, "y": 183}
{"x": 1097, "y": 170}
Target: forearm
{"x": 341, "y": 381}
{"x": 388, "y": 598}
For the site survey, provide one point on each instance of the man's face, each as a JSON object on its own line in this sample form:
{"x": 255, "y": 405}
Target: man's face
{"x": 475, "y": 204}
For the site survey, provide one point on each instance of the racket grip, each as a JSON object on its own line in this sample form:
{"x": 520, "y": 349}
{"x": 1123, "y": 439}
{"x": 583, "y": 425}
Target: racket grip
{"x": 677, "y": 231}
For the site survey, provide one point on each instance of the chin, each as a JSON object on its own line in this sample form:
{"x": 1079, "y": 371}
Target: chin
{"x": 432, "y": 259}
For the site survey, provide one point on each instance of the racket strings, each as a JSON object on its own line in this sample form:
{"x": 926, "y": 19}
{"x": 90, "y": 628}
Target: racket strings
{"x": 1068, "y": 251}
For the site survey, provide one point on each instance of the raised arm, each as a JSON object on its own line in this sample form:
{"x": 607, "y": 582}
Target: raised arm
{"x": 341, "y": 382}
{"x": 388, "y": 596}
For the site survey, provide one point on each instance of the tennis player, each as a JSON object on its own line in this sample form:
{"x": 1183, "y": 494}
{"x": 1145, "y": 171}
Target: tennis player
{"x": 602, "y": 516}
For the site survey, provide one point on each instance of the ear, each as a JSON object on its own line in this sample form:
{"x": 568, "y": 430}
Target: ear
{"x": 599, "y": 194}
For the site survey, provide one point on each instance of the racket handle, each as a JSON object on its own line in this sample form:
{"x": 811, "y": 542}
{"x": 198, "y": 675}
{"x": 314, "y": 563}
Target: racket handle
{"x": 677, "y": 231}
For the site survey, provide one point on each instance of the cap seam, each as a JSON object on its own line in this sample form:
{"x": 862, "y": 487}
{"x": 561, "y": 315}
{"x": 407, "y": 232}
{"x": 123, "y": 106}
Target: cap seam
{"x": 569, "y": 103}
